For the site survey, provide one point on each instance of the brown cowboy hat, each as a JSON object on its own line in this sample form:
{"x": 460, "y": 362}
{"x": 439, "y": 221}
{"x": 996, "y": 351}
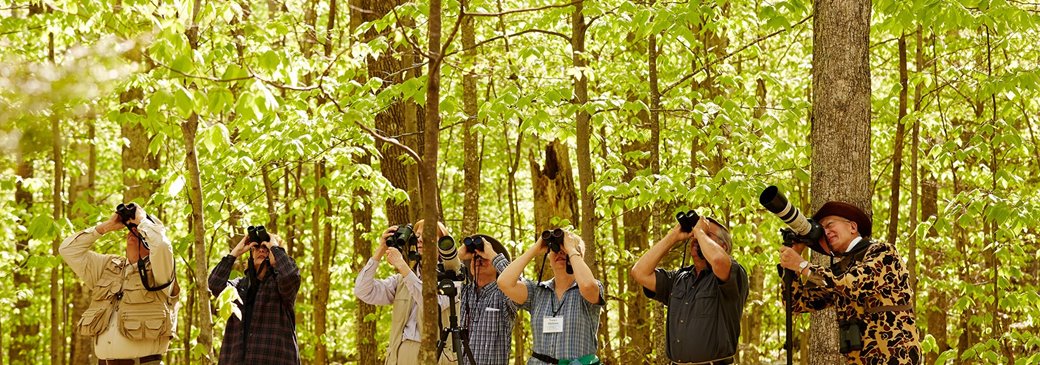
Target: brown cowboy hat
{"x": 847, "y": 211}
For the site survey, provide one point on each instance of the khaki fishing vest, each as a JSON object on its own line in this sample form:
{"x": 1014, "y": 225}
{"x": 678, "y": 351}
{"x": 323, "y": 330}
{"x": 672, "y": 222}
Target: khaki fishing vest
{"x": 402, "y": 308}
{"x": 143, "y": 315}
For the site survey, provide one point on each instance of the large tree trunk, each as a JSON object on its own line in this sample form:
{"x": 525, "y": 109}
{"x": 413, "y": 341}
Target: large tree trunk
{"x": 198, "y": 229}
{"x": 471, "y": 167}
{"x": 361, "y": 213}
{"x": 554, "y": 194}
{"x": 393, "y": 120}
{"x": 840, "y": 130}
{"x": 430, "y": 200}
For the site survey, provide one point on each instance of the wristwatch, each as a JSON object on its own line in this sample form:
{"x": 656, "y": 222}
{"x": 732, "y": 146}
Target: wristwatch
{"x": 803, "y": 265}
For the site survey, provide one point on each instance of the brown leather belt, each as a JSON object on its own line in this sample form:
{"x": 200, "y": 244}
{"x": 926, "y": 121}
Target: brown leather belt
{"x": 143, "y": 360}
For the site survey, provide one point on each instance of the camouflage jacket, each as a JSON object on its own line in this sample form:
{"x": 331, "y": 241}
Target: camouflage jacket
{"x": 870, "y": 285}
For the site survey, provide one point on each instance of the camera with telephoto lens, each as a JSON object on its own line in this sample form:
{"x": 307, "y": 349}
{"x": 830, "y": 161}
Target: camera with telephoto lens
{"x": 126, "y": 212}
{"x": 257, "y": 234}
{"x": 687, "y": 220}
{"x": 553, "y": 239}
{"x": 402, "y": 238}
{"x": 803, "y": 230}
{"x": 850, "y": 335}
{"x": 450, "y": 267}
{"x": 474, "y": 243}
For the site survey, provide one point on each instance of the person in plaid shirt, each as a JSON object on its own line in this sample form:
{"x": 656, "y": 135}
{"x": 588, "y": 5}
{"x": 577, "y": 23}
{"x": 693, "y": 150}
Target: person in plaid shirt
{"x": 564, "y": 310}
{"x": 266, "y": 331}
{"x": 486, "y": 312}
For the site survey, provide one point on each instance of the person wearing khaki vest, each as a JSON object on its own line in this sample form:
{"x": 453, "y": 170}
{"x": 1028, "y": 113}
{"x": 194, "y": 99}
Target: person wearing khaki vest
{"x": 404, "y": 292}
{"x": 131, "y": 321}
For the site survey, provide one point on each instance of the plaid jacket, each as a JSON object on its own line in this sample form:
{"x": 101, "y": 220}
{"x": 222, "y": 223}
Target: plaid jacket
{"x": 272, "y": 337}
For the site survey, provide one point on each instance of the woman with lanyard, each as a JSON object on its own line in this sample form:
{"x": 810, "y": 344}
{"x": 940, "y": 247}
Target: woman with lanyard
{"x": 565, "y": 309}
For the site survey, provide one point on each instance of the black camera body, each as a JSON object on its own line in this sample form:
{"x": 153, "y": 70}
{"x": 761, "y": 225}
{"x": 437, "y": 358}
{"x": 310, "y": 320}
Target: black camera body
{"x": 257, "y": 234}
{"x": 126, "y": 212}
{"x": 687, "y": 220}
{"x": 403, "y": 237}
{"x": 850, "y": 335}
{"x": 553, "y": 239}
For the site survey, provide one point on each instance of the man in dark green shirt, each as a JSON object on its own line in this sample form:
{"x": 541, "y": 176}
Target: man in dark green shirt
{"x": 705, "y": 300}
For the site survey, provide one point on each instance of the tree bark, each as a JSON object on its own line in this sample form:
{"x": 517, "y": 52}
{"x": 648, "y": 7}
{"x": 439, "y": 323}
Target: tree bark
{"x": 471, "y": 167}
{"x": 584, "y": 135}
{"x": 897, "y": 154}
{"x": 840, "y": 130}
{"x": 323, "y": 252}
{"x": 198, "y": 228}
{"x": 81, "y": 349}
{"x": 430, "y": 326}
{"x": 554, "y": 195}
{"x": 361, "y": 213}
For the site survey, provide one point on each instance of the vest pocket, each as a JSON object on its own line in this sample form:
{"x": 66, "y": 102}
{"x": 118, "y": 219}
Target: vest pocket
{"x": 144, "y": 324}
{"x": 94, "y": 321}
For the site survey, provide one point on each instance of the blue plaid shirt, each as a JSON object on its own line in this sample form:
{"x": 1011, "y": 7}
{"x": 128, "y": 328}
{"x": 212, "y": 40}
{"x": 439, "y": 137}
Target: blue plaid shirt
{"x": 580, "y": 320}
{"x": 490, "y": 317}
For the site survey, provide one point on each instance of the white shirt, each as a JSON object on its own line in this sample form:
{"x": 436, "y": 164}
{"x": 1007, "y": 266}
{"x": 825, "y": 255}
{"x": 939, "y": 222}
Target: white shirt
{"x": 853, "y": 243}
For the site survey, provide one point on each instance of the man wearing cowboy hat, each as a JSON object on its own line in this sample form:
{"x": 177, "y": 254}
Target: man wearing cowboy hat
{"x": 867, "y": 284}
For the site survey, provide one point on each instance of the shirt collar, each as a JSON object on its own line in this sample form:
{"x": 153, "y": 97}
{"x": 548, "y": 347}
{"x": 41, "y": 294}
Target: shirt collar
{"x": 853, "y": 243}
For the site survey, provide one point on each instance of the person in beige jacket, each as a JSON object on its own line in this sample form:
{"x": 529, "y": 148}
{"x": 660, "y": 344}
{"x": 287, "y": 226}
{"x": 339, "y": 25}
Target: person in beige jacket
{"x": 133, "y": 308}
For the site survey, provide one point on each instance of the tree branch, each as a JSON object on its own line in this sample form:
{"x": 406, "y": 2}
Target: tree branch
{"x": 525, "y": 10}
{"x": 728, "y": 55}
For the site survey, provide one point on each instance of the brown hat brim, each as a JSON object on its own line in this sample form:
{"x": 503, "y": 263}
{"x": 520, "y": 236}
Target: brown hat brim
{"x": 847, "y": 211}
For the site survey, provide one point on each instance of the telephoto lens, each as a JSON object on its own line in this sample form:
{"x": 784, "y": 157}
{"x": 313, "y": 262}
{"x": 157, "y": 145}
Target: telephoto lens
{"x": 449, "y": 254}
{"x": 805, "y": 230}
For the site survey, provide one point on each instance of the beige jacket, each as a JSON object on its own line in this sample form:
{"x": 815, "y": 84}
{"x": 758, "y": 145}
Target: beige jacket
{"x": 124, "y": 318}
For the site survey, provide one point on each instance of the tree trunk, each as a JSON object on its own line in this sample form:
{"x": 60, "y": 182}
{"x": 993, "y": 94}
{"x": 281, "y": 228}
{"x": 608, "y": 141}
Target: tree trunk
{"x": 81, "y": 349}
{"x": 471, "y": 167}
{"x": 361, "y": 213}
{"x": 430, "y": 326}
{"x": 24, "y": 333}
{"x": 554, "y": 195}
{"x": 840, "y": 130}
{"x": 391, "y": 122}
{"x": 198, "y": 228}
{"x": 323, "y": 252}
{"x": 584, "y": 136}
{"x": 897, "y": 155}
{"x": 57, "y": 350}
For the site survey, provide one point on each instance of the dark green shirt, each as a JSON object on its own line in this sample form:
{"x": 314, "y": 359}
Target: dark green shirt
{"x": 703, "y": 311}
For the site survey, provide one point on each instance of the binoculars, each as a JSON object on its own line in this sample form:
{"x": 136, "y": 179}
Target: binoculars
{"x": 402, "y": 238}
{"x": 553, "y": 238}
{"x": 473, "y": 244}
{"x": 687, "y": 220}
{"x": 258, "y": 234}
{"x": 126, "y": 212}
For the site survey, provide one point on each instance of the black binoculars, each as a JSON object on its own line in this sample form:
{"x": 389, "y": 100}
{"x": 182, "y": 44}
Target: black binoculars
{"x": 126, "y": 212}
{"x": 473, "y": 244}
{"x": 553, "y": 238}
{"x": 687, "y": 220}
{"x": 402, "y": 238}
{"x": 258, "y": 234}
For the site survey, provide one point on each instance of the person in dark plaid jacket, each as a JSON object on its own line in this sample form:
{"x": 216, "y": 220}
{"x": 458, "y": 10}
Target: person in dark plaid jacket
{"x": 266, "y": 331}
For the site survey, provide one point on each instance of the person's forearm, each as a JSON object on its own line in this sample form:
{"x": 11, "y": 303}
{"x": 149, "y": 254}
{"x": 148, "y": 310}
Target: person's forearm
{"x": 218, "y": 278}
{"x": 646, "y": 264}
{"x": 160, "y": 250}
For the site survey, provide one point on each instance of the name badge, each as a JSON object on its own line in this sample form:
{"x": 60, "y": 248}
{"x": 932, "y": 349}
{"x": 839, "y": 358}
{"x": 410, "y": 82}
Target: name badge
{"x": 552, "y": 325}
{"x": 489, "y": 309}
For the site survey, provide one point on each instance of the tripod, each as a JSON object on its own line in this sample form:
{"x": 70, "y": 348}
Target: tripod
{"x": 459, "y": 336}
{"x": 788, "y": 277}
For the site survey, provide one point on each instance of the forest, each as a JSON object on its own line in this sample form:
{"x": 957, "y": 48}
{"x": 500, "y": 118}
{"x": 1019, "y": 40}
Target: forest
{"x": 329, "y": 120}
